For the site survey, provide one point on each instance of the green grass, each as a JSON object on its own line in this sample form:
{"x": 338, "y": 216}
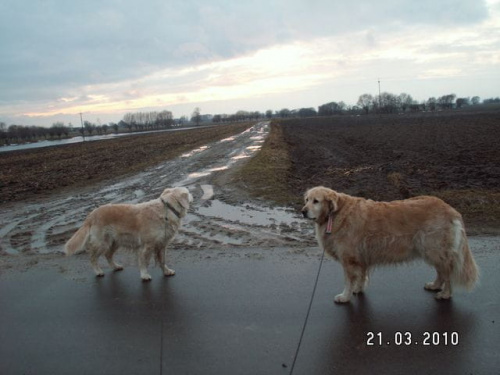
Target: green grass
{"x": 266, "y": 174}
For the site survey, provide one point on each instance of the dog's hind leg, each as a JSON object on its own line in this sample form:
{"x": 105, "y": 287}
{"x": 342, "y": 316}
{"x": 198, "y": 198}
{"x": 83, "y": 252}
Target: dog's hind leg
{"x": 95, "y": 253}
{"x": 109, "y": 256}
{"x": 437, "y": 284}
{"x": 445, "y": 292}
{"x": 362, "y": 282}
{"x": 442, "y": 284}
{"x": 144, "y": 256}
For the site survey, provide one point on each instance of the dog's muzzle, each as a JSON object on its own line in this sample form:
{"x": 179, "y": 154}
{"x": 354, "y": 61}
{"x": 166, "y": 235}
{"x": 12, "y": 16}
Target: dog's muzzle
{"x": 304, "y": 212}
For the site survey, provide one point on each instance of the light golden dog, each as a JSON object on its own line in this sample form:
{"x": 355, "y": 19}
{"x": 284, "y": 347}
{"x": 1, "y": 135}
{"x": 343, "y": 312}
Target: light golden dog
{"x": 146, "y": 228}
{"x": 361, "y": 233}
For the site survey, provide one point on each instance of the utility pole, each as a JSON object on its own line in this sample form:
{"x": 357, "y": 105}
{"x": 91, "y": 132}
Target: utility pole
{"x": 379, "y": 97}
{"x": 83, "y": 129}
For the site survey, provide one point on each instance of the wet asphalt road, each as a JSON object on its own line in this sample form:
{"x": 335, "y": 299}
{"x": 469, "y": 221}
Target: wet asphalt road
{"x": 241, "y": 311}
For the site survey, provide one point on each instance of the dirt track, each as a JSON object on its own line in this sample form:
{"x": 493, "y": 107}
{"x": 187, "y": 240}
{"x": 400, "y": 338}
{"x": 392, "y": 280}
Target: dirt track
{"x": 29, "y": 173}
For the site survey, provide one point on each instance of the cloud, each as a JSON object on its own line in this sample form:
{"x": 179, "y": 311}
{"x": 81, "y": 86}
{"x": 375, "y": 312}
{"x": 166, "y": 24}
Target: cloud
{"x": 122, "y": 52}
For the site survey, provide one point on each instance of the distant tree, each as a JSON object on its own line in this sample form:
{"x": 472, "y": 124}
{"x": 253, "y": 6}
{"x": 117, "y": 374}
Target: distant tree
{"x": 164, "y": 119}
{"x": 307, "y": 112}
{"x": 331, "y": 108}
{"x": 58, "y": 129}
{"x": 365, "y": 102}
{"x": 491, "y": 100}
{"x": 432, "y": 104}
{"x": 446, "y": 101}
{"x": 89, "y": 127}
{"x": 404, "y": 101}
{"x": 475, "y": 100}
{"x": 269, "y": 114}
{"x": 461, "y": 102}
{"x": 285, "y": 112}
{"x": 196, "y": 116}
{"x": 387, "y": 102}
{"x": 217, "y": 119}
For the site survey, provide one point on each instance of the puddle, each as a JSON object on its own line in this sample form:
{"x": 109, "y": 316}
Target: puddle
{"x": 195, "y": 151}
{"x": 249, "y": 214}
{"x": 208, "y": 192}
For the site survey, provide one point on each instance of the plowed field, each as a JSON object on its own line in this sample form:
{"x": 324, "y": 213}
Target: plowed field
{"x": 454, "y": 155}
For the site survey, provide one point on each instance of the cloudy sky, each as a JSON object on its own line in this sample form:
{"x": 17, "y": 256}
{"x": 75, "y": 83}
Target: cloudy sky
{"x": 105, "y": 58}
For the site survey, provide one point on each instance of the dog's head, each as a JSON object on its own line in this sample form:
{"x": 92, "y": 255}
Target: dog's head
{"x": 179, "y": 198}
{"x": 320, "y": 202}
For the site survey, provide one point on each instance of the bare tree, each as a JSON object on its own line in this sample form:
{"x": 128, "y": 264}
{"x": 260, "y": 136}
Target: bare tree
{"x": 405, "y": 101}
{"x": 462, "y": 102}
{"x": 446, "y": 101}
{"x": 196, "y": 116}
{"x": 365, "y": 101}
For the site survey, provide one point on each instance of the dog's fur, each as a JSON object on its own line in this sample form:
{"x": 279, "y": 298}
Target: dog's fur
{"x": 367, "y": 233}
{"x": 146, "y": 228}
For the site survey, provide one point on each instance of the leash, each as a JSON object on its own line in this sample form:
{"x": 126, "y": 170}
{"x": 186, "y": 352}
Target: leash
{"x": 308, "y": 311}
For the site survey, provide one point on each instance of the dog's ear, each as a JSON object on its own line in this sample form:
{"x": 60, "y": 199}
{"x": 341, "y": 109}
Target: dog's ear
{"x": 165, "y": 192}
{"x": 305, "y": 195}
{"x": 333, "y": 201}
{"x": 184, "y": 197}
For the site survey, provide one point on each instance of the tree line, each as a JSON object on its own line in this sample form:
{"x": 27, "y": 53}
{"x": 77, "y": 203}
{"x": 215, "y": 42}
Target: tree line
{"x": 148, "y": 120}
{"x": 23, "y": 134}
{"x": 139, "y": 121}
{"x": 385, "y": 103}
{"x": 367, "y": 103}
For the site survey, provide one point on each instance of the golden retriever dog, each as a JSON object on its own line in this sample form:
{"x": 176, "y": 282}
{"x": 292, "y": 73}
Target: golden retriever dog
{"x": 361, "y": 233}
{"x": 146, "y": 228}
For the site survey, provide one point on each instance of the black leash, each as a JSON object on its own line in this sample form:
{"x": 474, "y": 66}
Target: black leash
{"x": 308, "y": 312}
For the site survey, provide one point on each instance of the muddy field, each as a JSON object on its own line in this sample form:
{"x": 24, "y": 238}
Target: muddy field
{"x": 221, "y": 217}
{"x": 30, "y": 173}
{"x": 452, "y": 155}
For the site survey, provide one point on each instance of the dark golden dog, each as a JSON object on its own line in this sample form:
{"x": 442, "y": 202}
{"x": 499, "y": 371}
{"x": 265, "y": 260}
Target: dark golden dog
{"x": 361, "y": 233}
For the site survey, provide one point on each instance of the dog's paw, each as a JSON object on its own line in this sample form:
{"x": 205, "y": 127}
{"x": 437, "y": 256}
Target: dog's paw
{"x": 99, "y": 274}
{"x": 169, "y": 272}
{"x": 118, "y": 268}
{"x": 340, "y": 298}
{"x": 443, "y": 296}
{"x": 432, "y": 287}
{"x": 146, "y": 277}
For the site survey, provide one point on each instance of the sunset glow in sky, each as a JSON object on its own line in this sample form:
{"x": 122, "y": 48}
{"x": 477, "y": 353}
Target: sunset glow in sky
{"x": 105, "y": 59}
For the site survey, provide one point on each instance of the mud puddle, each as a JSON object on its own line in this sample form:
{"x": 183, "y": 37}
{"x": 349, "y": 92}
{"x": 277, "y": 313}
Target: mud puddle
{"x": 45, "y": 225}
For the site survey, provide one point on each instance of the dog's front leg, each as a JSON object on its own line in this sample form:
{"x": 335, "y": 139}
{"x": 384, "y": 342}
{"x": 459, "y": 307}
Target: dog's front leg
{"x": 143, "y": 260}
{"x": 161, "y": 255}
{"x": 350, "y": 278}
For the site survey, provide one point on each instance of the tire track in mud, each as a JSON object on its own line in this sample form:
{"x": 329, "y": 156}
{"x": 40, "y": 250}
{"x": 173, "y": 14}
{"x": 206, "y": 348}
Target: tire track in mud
{"x": 45, "y": 225}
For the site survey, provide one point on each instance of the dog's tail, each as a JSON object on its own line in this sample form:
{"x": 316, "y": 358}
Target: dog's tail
{"x": 77, "y": 242}
{"x": 466, "y": 271}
